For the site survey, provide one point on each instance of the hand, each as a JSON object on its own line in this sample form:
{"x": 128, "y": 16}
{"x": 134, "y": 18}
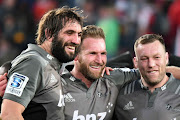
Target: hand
{"x": 107, "y": 70}
{"x": 3, "y": 83}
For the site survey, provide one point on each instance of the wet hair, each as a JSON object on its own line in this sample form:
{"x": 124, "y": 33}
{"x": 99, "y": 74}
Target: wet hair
{"x": 149, "y": 38}
{"x": 54, "y": 21}
{"x": 90, "y": 31}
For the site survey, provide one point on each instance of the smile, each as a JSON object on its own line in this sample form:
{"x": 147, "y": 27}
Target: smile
{"x": 152, "y": 72}
{"x": 71, "y": 47}
{"x": 95, "y": 67}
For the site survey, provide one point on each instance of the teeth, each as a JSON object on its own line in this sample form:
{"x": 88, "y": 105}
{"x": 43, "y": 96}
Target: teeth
{"x": 152, "y": 71}
{"x": 71, "y": 47}
{"x": 95, "y": 66}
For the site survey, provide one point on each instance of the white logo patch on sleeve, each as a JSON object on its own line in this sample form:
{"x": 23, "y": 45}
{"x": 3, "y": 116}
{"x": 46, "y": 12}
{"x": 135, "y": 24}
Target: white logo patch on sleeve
{"x": 16, "y": 84}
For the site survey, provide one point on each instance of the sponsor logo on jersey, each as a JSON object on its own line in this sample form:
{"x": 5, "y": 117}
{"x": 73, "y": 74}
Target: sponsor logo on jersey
{"x": 49, "y": 57}
{"x": 99, "y": 116}
{"x": 128, "y": 106}
{"x": 163, "y": 87}
{"x": 16, "y": 84}
{"x": 68, "y": 98}
{"x": 72, "y": 78}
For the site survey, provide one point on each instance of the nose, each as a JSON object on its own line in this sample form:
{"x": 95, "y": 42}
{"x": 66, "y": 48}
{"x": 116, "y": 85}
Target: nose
{"x": 76, "y": 39}
{"x": 99, "y": 59}
{"x": 151, "y": 63}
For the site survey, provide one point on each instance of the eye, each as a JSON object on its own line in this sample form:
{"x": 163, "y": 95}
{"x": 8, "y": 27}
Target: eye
{"x": 104, "y": 53}
{"x": 144, "y": 58}
{"x": 69, "y": 32}
{"x": 92, "y": 53}
{"x": 157, "y": 57}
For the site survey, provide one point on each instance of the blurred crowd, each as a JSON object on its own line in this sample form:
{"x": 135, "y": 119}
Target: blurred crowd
{"x": 123, "y": 21}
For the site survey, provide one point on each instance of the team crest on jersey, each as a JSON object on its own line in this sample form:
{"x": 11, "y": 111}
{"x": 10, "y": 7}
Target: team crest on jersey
{"x": 16, "y": 84}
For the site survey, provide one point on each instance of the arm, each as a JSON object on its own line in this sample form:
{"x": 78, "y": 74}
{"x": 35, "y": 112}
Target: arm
{"x": 11, "y": 110}
{"x": 3, "y": 76}
{"x": 21, "y": 81}
{"x": 3, "y": 84}
{"x": 122, "y": 75}
{"x": 174, "y": 70}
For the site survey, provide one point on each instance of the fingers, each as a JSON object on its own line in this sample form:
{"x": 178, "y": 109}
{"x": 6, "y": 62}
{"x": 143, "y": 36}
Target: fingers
{"x": 108, "y": 69}
{"x": 3, "y": 84}
{"x": 5, "y": 74}
{"x": 103, "y": 72}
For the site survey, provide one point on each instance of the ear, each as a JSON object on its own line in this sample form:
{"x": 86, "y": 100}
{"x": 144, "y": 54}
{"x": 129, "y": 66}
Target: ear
{"x": 48, "y": 35}
{"x": 167, "y": 58}
{"x": 135, "y": 62}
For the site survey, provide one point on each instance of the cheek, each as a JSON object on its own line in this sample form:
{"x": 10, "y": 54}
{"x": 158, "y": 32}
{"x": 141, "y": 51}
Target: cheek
{"x": 142, "y": 65}
{"x": 104, "y": 59}
{"x": 64, "y": 39}
{"x": 161, "y": 62}
{"x": 84, "y": 59}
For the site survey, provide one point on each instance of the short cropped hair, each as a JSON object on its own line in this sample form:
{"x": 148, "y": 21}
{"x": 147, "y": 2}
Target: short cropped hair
{"x": 55, "y": 20}
{"x": 149, "y": 38}
{"x": 90, "y": 31}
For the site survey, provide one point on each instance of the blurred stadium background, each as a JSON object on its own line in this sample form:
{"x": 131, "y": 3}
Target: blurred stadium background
{"x": 123, "y": 21}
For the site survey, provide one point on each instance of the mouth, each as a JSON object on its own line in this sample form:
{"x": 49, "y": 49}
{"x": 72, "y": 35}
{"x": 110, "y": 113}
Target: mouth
{"x": 70, "y": 48}
{"x": 95, "y": 67}
{"x": 152, "y": 72}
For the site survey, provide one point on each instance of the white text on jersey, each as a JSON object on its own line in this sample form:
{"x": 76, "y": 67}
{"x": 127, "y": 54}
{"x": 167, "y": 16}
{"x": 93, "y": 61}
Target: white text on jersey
{"x": 101, "y": 116}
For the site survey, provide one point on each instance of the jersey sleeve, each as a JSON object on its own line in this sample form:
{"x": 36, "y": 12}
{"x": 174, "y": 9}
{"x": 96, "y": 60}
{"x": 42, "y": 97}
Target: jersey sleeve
{"x": 122, "y": 75}
{"x": 23, "y": 81}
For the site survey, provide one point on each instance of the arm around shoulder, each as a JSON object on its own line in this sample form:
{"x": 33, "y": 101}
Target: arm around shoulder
{"x": 174, "y": 70}
{"x": 11, "y": 110}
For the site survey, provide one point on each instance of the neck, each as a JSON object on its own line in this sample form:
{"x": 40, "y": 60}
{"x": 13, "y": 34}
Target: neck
{"x": 46, "y": 46}
{"x": 152, "y": 88}
{"x": 80, "y": 76}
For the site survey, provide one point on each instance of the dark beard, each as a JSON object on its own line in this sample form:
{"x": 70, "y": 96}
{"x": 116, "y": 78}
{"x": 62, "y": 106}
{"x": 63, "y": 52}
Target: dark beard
{"x": 58, "y": 51}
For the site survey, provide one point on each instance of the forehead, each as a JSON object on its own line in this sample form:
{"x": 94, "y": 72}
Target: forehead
{"x": 150, "y": 48}
{"x": 94, "y": 44}
{"x": 72, "y": 25}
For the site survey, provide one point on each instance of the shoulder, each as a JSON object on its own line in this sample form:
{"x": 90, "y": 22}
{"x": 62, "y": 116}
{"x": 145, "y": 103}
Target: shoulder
{"x": 120, "y": 72}
{"x": 67, "y": 78}
{"x": 173, "y": 85}
{"x": 130, "y": 87}
{"x": 30, "y": 59}
{"x": 121, "y": 75}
